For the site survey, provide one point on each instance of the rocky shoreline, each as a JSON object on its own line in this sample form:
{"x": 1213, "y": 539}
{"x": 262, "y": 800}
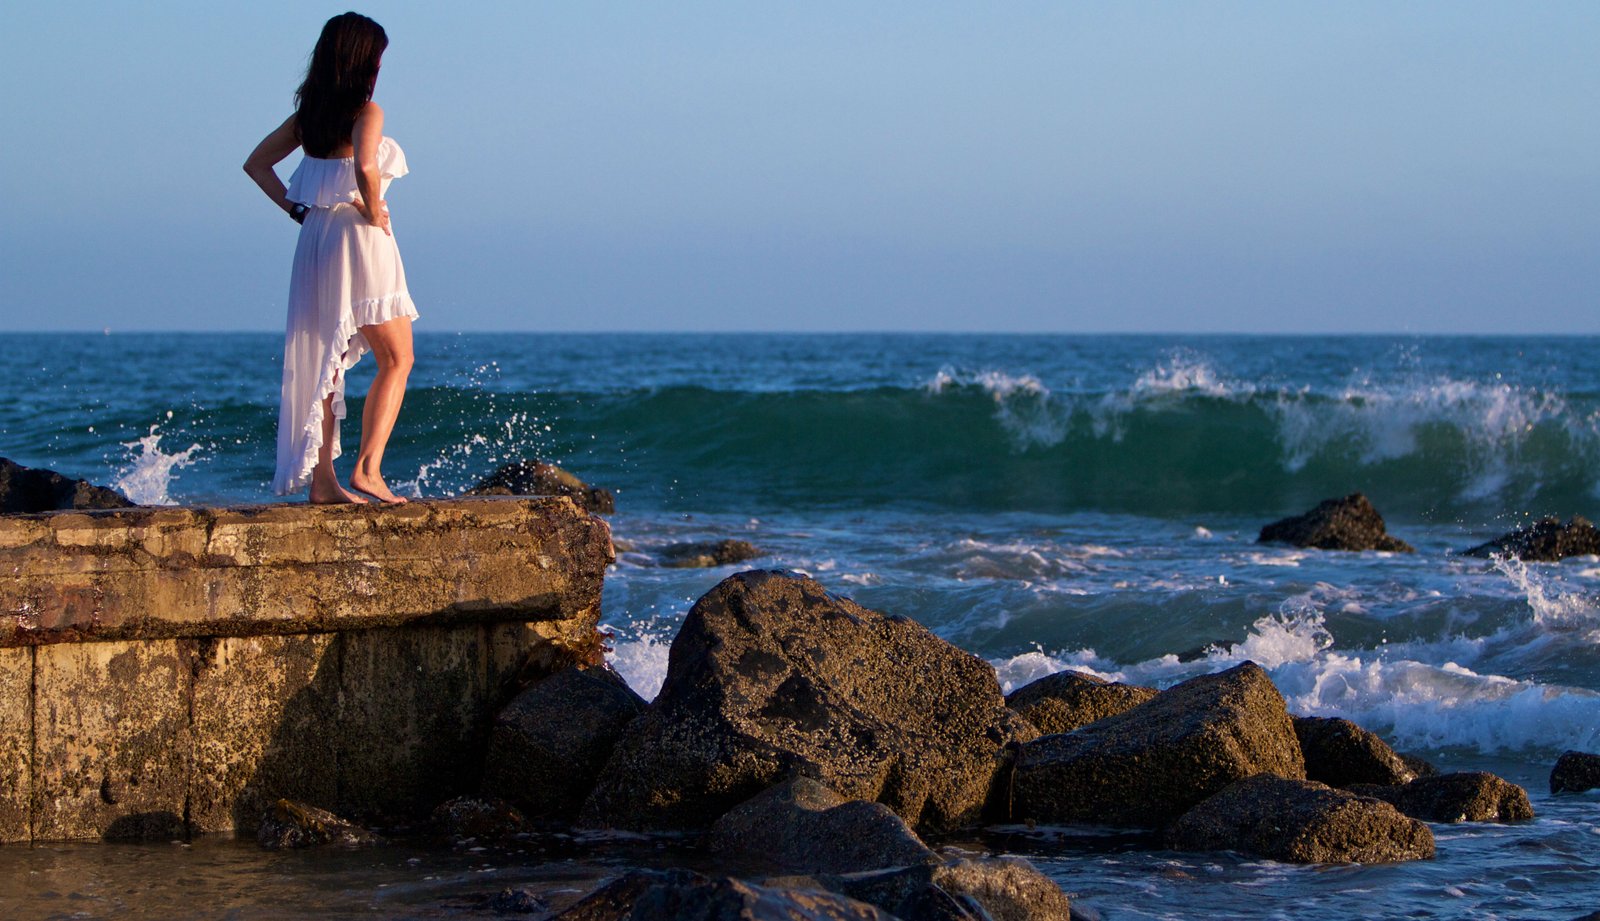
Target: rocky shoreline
{"x": 830, "y": 754}
{"x": 829, "y": 749}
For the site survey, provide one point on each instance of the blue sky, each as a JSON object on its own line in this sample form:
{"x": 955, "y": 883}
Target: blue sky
{"x": 1073, "y": 167}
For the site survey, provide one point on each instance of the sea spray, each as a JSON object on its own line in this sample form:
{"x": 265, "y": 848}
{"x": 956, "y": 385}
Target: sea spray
{"x": 147, "y": 478}
{"x": 476, "y": 431}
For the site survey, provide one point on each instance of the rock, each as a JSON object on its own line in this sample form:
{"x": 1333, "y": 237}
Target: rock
{"x": 705, "y": 554}
{"x": 1340, "y": 753}
{"x": 31, "y": 490}
{"x": 1575, "y": 772}
{"x": 1418, "y": 766}
{"x": 1468, "y": 796}
{"x": 802, "y": 826}
{"x": 1300, "y": 821}
{"x": 770, "y": 676}
{"x": 1546, "y": 541}
{"x": 681, "y": 895}
{"x": 516, "y": 902}
{"x": 997, "y": 889}
{"x": 1068, "y": 699}
{"x": 478, "y": 818}
{"x": 549, "y": 744}
{"x": 1151, "y": 764}
{"x": 1007, "y": 889}
{"x": 536, "y": 478}
{"x": 290, "y": 824}
{"x": 1350, "y": 523}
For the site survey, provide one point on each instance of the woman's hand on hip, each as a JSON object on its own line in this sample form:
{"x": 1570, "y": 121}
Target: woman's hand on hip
{"x": 376, "y": 216}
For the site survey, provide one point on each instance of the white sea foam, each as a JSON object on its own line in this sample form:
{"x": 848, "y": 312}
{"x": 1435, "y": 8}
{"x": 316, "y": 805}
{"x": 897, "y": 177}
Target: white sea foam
{"x": 148, "y": 476}
{"x": 1417, "y": 694}
{"x": 1489, "y": 423}
{"x": 1552, "y": 606}
{"x": 971, "y": 558}
{"x": 1186, "y": 372}
{"x": 1025, "y": 409}
{"x": 639, "y": 654}
{"x": 1183, "y": 374}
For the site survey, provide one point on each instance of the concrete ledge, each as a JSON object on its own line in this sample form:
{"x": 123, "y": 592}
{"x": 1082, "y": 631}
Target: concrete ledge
{"x": 170, "y": 671}
{"x": 163, "y": 573}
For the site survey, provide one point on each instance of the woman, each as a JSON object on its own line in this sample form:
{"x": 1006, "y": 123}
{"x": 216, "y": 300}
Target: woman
{"x": 347, "y": 292}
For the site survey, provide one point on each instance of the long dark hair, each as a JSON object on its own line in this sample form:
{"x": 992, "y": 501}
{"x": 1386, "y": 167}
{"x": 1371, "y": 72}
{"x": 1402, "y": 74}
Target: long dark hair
{"x": 339, "y": 82}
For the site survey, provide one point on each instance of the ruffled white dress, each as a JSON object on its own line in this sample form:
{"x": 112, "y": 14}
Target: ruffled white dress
{"x": 347, "y": 274}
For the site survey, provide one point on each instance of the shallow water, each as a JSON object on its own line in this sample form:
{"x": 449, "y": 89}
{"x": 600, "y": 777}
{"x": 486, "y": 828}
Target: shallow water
{"x": 1042, "y": 502}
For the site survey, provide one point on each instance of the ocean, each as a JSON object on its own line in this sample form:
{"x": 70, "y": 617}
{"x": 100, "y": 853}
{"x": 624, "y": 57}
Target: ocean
{"x": 1041, "y": 501}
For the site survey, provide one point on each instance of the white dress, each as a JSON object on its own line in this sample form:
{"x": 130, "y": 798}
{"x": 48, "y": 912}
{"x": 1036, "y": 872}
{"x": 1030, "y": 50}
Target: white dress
{"x": 347, "y": 274}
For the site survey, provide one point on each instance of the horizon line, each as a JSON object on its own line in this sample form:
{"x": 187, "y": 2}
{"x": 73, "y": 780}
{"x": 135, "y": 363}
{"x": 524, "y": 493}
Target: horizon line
{"x": 424, "y": 331}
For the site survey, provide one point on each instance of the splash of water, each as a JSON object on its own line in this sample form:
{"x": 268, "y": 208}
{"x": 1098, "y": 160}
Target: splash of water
{"x": 148, "y": 475}
{"x": 490, "y": 438}
{"x": 639, "y": 654}
{"x": 1553, "y": 608}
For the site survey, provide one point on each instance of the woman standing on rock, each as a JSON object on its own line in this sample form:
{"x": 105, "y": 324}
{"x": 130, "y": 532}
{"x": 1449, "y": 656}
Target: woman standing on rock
{"x": 347, "y": 291}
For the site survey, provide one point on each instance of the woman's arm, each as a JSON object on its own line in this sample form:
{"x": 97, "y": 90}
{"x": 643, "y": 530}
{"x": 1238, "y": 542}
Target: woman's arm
{"x": 366, "y": 136}
{"x": 272, "y": 149}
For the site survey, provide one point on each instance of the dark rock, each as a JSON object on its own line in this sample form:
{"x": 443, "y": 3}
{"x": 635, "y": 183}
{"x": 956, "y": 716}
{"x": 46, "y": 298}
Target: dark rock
{"x": 290, "y": 824}
{"x": 680, "y": 895}
{"x": 705, "y": 554}
{"x": 1068, "y": 699}
{"x": 1469, "y": 796}
{"x": 536, "y": 478}
{"x": 1340, "y": 753}
{"x": 1419, "y": 766}
{"x": 1545, "y": 541}
{"x": 548, "y": 745}
{"x": 1151, "y": 764}
{"x": 1575, "y": 772}
{"x": 1350, "y": 523}
{"x": 772, "y": 677}
{"x": 1300, "y": 821}
{"x": 998, "y": 889}
{"x": 31, "y": 490}
{"x": 516, "y": 902}
{"x": 479, "y": 818}
{"x": 802, "y": 826}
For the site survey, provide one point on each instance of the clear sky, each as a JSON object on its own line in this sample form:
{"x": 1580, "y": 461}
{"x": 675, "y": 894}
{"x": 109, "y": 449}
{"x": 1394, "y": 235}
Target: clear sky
{"x": 1010, "y": 166}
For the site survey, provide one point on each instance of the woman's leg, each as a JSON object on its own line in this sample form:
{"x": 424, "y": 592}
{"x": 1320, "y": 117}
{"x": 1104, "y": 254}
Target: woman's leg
{"x": 391, "y": 346}
{"x": 325, "y": 488}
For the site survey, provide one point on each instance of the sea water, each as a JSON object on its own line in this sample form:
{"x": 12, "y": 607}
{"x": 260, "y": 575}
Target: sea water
{"x": 1043, "y": 501}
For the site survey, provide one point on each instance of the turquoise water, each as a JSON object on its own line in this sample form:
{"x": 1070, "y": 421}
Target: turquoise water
{"x": 1040, "y": 501}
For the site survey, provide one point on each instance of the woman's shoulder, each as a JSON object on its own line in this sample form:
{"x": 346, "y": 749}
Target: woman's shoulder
{"x": 370, "y": 118}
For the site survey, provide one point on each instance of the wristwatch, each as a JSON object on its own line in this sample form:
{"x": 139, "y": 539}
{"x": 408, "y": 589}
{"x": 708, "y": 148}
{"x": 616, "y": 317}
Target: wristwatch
{"x": 298, "y": 212}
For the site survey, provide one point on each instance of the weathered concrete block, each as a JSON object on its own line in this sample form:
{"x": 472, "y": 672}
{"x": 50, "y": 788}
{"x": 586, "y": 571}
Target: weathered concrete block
{"x": 265, "y": 727}
{"x": 171, "y": 670}
{"x": 16, "y": 742}
{"x": 156, "y": 573}
{"x": 111, "y": 739}
{"x": 414, "y": 713}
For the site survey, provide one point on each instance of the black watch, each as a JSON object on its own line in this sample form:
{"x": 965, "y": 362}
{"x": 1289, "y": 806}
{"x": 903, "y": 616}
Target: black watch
{"x": 298, "y": 212}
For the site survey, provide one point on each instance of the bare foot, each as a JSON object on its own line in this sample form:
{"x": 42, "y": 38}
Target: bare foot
{"x": 375, "y": 487}
{"x": 337, "y": 495}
